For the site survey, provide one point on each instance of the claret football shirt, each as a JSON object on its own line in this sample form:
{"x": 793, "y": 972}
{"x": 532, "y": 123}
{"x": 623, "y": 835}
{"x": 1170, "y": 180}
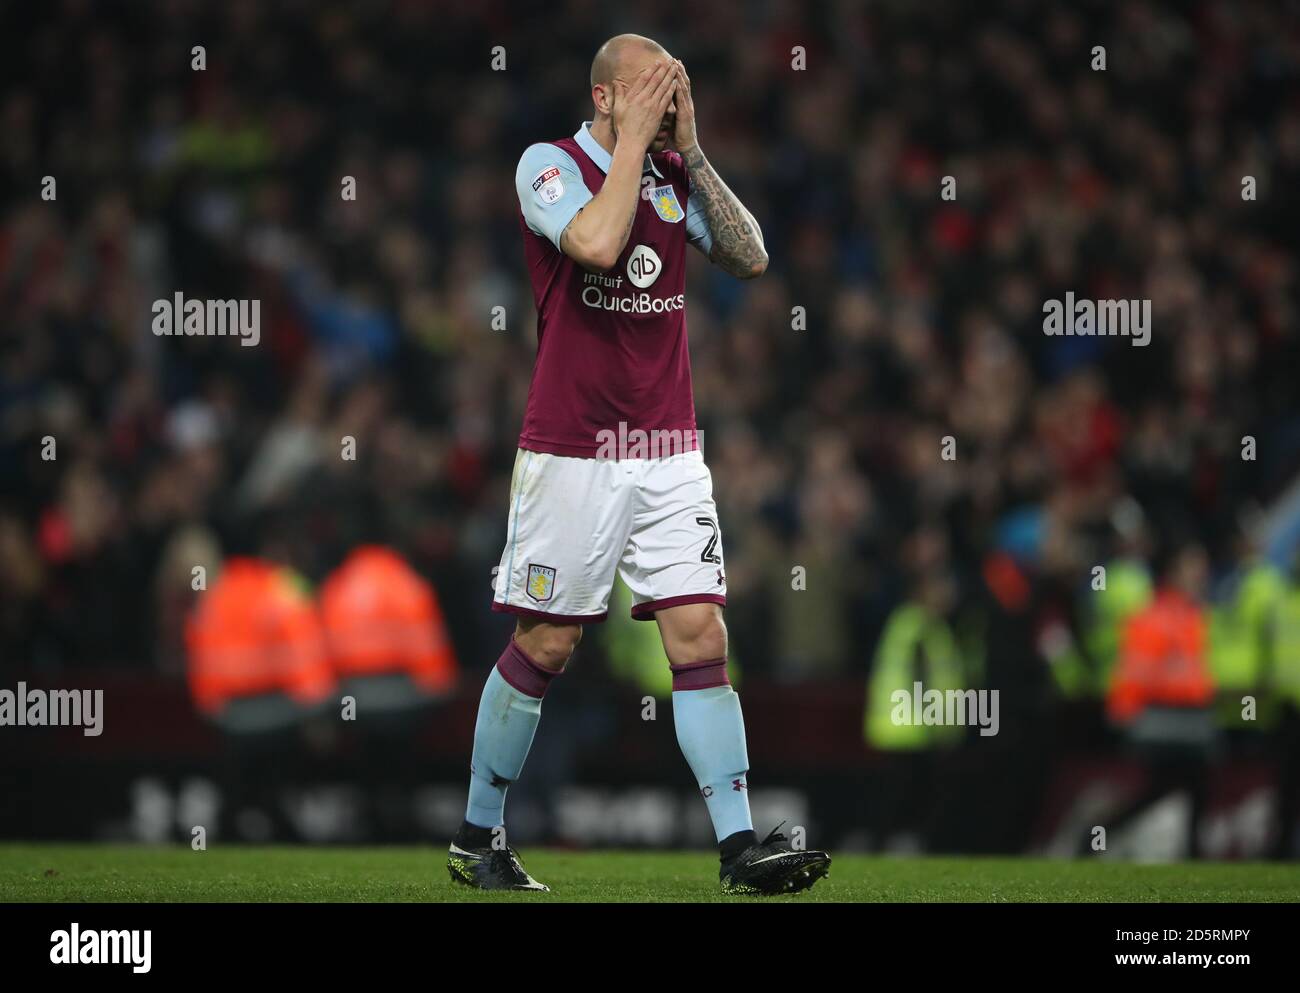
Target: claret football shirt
{"x": 611, "y": 346}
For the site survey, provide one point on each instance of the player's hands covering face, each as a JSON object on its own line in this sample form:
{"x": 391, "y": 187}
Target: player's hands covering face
{"x": 639, "y": 108}
{"x": 684, "y": 137}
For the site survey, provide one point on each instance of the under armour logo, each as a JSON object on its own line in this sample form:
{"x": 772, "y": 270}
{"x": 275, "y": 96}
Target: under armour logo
{"x": 737, "y": 785}
{"x": 721, "y": 578}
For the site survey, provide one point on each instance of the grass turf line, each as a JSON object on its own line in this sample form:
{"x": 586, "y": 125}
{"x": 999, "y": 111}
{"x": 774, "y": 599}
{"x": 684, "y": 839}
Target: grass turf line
{"x": 111, "y": 873}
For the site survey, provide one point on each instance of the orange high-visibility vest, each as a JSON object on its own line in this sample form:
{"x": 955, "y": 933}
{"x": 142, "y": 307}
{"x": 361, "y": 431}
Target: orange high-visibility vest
{"x": 381, "y": 617}
{"x": 256, "y": 632}
{"x": 1162, "y": 659}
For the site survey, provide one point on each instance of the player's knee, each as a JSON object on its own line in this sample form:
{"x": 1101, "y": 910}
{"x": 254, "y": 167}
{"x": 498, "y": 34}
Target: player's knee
{"x": 549, "y": 645}
{"x": 694, "y": 633}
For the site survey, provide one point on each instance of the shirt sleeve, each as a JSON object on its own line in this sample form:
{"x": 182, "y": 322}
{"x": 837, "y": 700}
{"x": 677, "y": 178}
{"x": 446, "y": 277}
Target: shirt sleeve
{"x": 697, "y": 228}
{"x": 551, "y": 190}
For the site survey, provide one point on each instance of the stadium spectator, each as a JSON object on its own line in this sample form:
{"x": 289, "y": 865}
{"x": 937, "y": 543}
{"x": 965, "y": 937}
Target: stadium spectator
{"x": 385, "y": 632}
{"x": 257, "y": 655}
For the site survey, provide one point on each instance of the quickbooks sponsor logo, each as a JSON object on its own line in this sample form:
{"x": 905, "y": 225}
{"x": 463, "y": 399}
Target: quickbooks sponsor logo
{"x": 1131, "y": 318}
{"x": 236, "y": 318}
{"x": 639, "y": 303}
{"x": 962, "y": 708}
{"x": 77, "y": 947}
{"x": 643, "y": 266}
{"x": 53, "y": 708}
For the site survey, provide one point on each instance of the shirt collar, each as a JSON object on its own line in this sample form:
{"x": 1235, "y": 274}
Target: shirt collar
{"x": 601, "y": 157}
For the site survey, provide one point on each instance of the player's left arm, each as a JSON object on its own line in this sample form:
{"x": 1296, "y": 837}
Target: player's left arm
{"x": 736, "y": 239}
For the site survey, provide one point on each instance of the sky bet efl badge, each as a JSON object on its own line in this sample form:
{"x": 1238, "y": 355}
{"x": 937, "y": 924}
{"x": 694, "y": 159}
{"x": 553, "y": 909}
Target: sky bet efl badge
{"x": 541, "y": 582}
{"x": 548, "y": 186}
{"x": 666, "y": 206}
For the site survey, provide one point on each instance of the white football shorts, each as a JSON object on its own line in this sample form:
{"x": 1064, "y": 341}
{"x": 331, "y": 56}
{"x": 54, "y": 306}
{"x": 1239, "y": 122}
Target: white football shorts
{"x": 574, "y": 521}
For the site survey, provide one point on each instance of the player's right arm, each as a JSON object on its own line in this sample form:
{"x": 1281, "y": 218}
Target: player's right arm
{"x": 556, "y": 202}
{"x": 595, "y": 238}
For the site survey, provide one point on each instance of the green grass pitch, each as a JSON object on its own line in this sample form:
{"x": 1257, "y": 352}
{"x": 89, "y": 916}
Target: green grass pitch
{"x": 107, "y": 873}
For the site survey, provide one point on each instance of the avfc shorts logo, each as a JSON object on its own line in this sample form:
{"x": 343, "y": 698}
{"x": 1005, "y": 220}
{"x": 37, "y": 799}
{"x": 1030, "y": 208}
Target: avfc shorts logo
{"x": 666, "y": 205}
{"x": 541, "y": 582}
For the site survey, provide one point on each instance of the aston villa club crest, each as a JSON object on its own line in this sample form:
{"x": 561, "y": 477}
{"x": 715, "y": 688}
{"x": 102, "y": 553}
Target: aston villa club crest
{"x": 665, "y": 203}
{"x": 541, "y": 582}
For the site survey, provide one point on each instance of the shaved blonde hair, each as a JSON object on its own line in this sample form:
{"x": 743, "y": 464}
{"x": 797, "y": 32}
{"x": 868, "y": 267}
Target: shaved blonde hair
{"x": 609, "y": 56}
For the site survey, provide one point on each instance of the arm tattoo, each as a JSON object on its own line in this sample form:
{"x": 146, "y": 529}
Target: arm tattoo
{"x": 737, "y": 241}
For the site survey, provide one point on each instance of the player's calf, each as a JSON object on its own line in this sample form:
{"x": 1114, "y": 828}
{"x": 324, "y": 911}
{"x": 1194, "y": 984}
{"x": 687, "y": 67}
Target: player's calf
{"x": 711, "y": 732}
{"x": 707, "y": 718}
{"x": 509, "y": 711}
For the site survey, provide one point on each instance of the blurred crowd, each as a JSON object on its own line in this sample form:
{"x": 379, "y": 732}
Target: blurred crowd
{"x": 126, "y": 459}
